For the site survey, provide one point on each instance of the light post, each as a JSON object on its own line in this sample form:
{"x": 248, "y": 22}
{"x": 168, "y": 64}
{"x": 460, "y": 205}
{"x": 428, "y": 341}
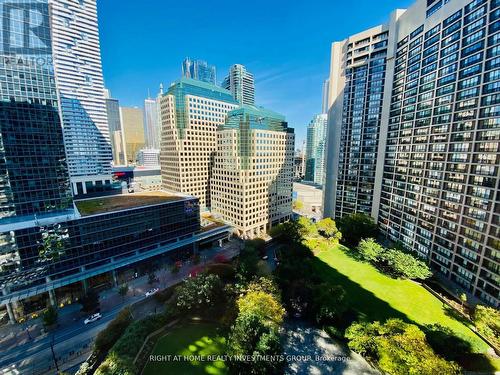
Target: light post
{"x": 54, "y": 354}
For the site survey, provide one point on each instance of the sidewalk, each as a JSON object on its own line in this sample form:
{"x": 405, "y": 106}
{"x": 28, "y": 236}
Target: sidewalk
{"x": 12, "y": 336}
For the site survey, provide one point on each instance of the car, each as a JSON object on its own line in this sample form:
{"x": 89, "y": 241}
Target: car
{"x": 150, "y": 292}
{"x": 265, "y": 257}
{"x": 92, "y": 318}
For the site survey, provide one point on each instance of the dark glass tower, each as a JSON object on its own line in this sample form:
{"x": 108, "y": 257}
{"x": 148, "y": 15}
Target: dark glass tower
{"x": 33, "y": 171}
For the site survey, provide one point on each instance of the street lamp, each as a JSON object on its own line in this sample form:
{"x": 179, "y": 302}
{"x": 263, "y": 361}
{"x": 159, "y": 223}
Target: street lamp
{"x": 53, "y": 354}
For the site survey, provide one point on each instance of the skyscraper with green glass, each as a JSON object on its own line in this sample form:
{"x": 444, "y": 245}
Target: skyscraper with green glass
{"x": 191, "y": 110}
{"x": 251, "y": 183}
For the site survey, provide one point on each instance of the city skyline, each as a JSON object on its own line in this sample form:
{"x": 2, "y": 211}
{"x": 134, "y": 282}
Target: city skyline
{"x": 286, "y": 80}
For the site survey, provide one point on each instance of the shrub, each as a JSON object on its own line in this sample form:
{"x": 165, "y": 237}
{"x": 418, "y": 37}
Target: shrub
{"x": 370, "y": 250}
{"x": 108, "y": 336}
{"x": 164, "y": 295}
{"x": 398, "y": 348}
{"x": 121, "y": 356}
{"x": 405, "y": 265}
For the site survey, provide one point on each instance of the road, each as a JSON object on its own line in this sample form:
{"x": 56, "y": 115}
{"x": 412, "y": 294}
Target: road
{"x": 72, "y": 343}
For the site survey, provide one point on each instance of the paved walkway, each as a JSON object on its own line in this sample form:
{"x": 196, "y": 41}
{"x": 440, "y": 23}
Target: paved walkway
{"x": 316, "y": 353}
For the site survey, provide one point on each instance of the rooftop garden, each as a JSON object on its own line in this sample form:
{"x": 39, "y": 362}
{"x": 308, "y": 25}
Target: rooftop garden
{"x": 101, "y": 205}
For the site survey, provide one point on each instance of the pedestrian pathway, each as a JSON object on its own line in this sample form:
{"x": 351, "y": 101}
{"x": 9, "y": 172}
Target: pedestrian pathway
{"x": 309, "y": 350}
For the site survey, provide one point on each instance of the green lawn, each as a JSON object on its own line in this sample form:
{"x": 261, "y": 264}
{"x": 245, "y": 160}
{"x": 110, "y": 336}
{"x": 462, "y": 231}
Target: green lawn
{"x": 189, "y": 340}
{"x": 378, "y": 297}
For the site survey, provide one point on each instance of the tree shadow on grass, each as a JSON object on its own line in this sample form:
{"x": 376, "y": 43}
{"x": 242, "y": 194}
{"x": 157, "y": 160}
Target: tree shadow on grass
{"x": 370, "y": 308}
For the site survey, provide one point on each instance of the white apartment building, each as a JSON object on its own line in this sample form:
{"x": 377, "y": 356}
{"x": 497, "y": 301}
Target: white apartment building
{"x": 191, "y": 111}
{"x": 241, "y": 84}
{"x": 78, "y": 70}
{"x": 252, "y": 176}
{"x": 436, "y": 184}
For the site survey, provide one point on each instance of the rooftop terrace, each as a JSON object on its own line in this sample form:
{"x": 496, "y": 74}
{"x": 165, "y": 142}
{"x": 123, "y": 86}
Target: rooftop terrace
{"x": 102, "y": 205}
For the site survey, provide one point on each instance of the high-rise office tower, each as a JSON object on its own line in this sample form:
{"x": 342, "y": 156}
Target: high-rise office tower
{"x": 199, "y": 70}
{"x": 77, "y": 63}
{"x": 133, "y": 131}
{"x": 251, "y": 185}
{"x": 33, "y": 171}
{"x": 241, "y": 84}
{"x": 316, "y": 145}
{"x": 324, "y": 98}
{"x": 191, "y": 110}
{"x": 356, "y": 86}
{"x": 437, "y": 177}
{"x": 152, "y": 132}
{"x": 115, "y": 130}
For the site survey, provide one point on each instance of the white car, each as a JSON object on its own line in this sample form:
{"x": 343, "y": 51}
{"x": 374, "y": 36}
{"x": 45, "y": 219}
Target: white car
{"x": 265, "y": 257}
{"x": 150, "y": 292}
{"x": 92, "y": 318}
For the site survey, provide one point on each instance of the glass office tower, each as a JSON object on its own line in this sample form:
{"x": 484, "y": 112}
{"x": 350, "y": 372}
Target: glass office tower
{"x": 315, "y": 150}
{"x": 199, "y": 70}
{"x": 33, "y": 169}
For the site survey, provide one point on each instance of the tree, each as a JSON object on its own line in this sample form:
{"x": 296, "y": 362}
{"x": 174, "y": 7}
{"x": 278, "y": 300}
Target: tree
{"x": 247, "y": 262}
{"x": 90, "y": 302}
{"x": 355, "y": 227}
{"x": 263, "y": 305}
{"x": 328, "y": 302}
{"x": 306, "y": 228}
{"x": 250, "y": 336}
{"x": 463, "y": 299}
{"x": 370, "y": 250}
{"x": 405, "y": 265}
{"x": 123, "y": 290}
{"x": 114, "y": 330}
{"x": 446, "y": 343}
{"x": 152, "y": 278}
{"x": 297, "y": 205}
{"x": 328, "y": 229}
{"x": 49, "y": 317}
{"x": 398, "y": 348}
{"x": 201, "y": 294}
{"x": 487, "y": 322}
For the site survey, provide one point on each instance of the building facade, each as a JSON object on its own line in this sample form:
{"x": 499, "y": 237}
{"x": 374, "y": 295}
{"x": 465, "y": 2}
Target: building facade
{"x": 191, "y": 111}
{"x": 152, "y": 131}
{"x": 33, "y": 164}
{"x": 148, "y": 157}
{"x": 199, "y": 70}
{"x": 437, "y": 177}
{"x": 241, "y": 84}
{"x": 324, "y": 96}
{"x": 357, "y": 74}
{"x": 115, "y": 130}
{"x": 77, "y": 63}
{"x": 132, "y": 120}
{"x": 251, "y": 184}
{"x": 315, "y": 149}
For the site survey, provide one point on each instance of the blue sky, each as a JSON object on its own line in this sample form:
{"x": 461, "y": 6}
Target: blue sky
{"x": 285, "y": 44}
